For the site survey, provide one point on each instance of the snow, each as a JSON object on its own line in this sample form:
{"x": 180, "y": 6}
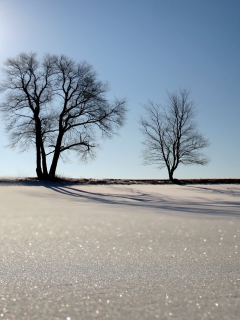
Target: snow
{"x": 172, "y": 199}
{"x": 133, "y": 251}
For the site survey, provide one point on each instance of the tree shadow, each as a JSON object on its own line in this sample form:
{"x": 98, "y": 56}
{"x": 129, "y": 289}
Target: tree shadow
{"x": 229, "y": 191}
{"x": 165, "y": 204}
{"x": 169, "y": 204}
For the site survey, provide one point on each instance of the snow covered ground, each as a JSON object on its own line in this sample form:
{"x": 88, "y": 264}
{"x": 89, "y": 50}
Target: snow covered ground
{"x": 119, "y": 251}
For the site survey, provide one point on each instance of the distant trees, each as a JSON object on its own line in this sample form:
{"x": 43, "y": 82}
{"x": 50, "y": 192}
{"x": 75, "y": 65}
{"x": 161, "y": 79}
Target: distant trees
{"x": 170, "y": 134}
{"x": 56, "y": 105}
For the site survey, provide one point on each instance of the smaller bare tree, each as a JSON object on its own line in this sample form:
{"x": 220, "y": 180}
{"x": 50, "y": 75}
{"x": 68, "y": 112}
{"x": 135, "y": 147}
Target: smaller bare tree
{"x": 171, "y": 135}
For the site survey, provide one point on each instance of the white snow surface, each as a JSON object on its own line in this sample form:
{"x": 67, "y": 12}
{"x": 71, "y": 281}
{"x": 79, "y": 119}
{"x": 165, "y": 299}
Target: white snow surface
{"x": 119, "y": 251}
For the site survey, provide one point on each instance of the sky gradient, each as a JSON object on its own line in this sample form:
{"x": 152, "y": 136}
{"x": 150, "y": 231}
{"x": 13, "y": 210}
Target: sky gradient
{"x": 143, "y": 49}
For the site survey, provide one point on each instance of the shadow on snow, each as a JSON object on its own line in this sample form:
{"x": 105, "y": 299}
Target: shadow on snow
{"x": 161, "y": 202}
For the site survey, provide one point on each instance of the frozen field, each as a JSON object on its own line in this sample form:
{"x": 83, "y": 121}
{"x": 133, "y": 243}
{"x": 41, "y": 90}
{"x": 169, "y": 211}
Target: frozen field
{"x": 119, "y": 252}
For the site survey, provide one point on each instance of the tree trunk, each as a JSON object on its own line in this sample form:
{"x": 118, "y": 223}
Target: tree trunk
{"x": 39, "y": 168}
{"x": 53, "y": 168}
{"x": 38, "y": 158}
{"x": 44, "y": 161}
{"x": 39, "y": 171}
{"x": 170, "y": 174}
{"x": 56, "y": 156}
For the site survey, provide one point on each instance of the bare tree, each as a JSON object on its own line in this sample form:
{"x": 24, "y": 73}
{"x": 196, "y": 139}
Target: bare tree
{"x": 84, "y": 108}
{"x": 56, "y": 105}
{"x": 171, "y": 135}
{"x": 28, "y": 88}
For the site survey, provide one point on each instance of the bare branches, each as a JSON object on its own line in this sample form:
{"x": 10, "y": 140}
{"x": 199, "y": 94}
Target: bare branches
{"x": 170, "y": 133}
{"x": 58, "y": 105}
{"x": 83, "y": 110}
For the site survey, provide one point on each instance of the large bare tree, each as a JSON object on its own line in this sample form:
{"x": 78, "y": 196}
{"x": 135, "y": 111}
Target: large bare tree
{"x": 171, "y": 135}
{"x": 56, "y": 105}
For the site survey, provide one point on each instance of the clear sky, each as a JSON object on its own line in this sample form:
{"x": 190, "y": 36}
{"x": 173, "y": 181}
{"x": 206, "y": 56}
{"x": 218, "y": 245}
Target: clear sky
{"x": 143, "y": 48}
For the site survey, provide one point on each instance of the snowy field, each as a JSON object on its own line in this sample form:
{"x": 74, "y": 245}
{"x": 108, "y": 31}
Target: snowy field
{"x": 75, "y": 252}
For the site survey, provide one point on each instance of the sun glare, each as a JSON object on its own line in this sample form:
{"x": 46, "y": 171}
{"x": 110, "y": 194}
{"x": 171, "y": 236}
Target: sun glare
{"x": 3, "y": 26}
{"x": 9, "y": 19}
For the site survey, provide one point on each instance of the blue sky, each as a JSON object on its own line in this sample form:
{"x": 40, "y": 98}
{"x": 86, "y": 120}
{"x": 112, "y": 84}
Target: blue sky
{"x": 144, "y": 49}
